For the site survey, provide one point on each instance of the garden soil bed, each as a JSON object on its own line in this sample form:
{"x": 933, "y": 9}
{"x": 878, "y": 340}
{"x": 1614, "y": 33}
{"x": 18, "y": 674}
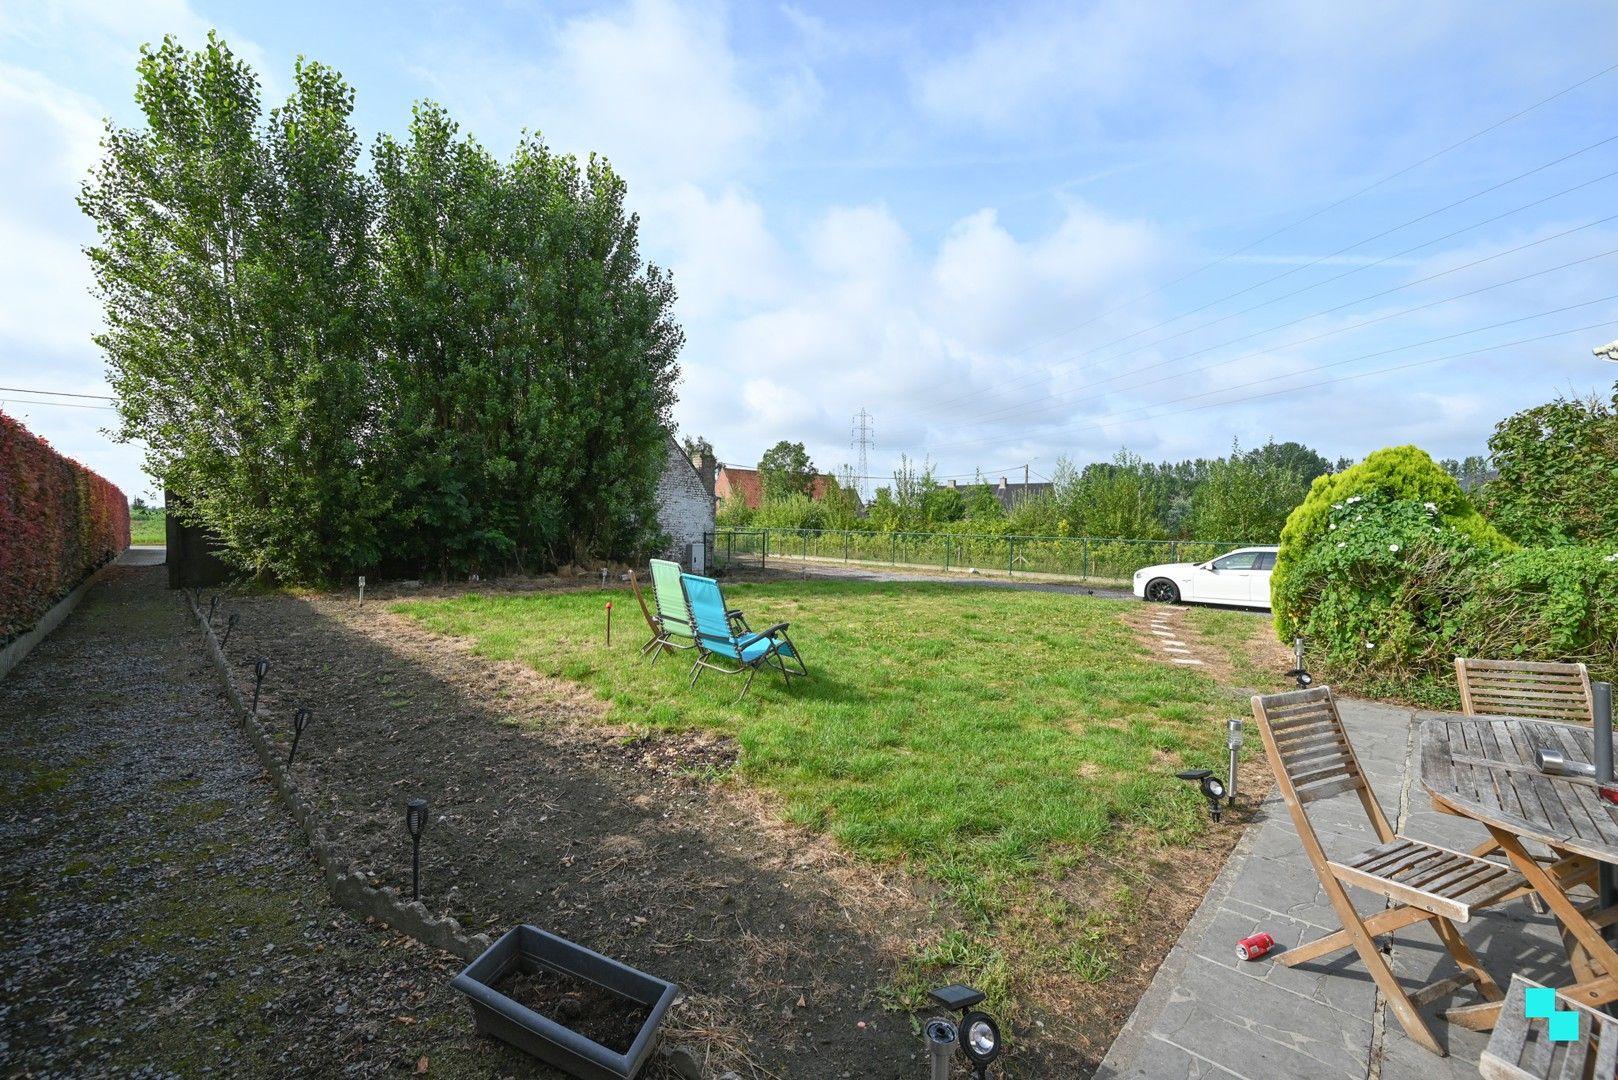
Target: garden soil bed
{"x": 631, "y": 843}
{"x": 606, "y": 1018}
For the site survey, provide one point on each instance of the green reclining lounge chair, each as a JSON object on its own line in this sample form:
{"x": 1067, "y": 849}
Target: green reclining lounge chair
{"x": 718, "y": 637}
{"x": 672, "y": 617}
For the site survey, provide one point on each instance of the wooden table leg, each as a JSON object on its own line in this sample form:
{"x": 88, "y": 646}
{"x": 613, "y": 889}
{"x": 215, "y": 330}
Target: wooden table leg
{"x": 1597, "y": 950}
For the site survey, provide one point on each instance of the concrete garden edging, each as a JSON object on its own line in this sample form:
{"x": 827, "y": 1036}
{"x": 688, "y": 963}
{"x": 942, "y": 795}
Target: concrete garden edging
{"x": 13, "y": 653}
{"x": 346, "y": 884}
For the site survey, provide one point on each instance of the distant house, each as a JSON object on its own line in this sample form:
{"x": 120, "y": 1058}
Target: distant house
{"x": 685, "y": 506}
{"x": 733, "y": 480}
{"x": 1011, "y": 494}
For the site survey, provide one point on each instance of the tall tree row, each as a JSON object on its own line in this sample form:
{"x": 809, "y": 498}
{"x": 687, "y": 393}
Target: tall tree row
{"x": 441, "y": 363}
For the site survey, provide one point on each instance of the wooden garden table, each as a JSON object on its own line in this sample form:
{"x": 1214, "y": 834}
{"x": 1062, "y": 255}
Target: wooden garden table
{"x": 1482, "y": 767}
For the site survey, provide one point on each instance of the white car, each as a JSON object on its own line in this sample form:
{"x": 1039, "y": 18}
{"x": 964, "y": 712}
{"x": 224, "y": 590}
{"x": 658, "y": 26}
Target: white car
{"x": 1241, "y": 578}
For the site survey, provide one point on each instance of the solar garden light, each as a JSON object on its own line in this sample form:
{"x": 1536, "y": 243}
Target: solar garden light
{"x": 213, "y": 606}
{"x": 260, "y": 669}
{"x": 1213, "y": 788}
{"x": 1233, "y": 742}
{"x": 230, "y": 624}
{"x": 609, "y": 624}
{"x": 362, "y": 590}
{"x": 977, "y": 1035}
{"x": 1299, "y": 672}
{"x": 415, "y": 822}
{"x": 300, "y": 720}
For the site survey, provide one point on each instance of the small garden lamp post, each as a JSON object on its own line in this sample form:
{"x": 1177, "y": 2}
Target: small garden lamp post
{"x": 1233, "y": 743}
{"x": 609, "y": 624}
{"x": 213, "y": 606}
{"x": 230, "y": 624}
{"x": 1299, "y": 672}
{"x": 362, "y": 590}
{"x": 260, "y": 669}
{"x": 415, "y": 822}
{"x": 1213, "y": 788}
{"x": 300, "y": 720}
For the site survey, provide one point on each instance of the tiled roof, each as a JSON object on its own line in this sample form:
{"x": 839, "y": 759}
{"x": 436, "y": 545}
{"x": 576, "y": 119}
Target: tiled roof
{"x": 746, "y": 481}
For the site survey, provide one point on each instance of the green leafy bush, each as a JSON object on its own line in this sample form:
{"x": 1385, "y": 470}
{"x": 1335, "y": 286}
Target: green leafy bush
{"x": 1400, "y": 474}
{"x": 1546, "y": 603}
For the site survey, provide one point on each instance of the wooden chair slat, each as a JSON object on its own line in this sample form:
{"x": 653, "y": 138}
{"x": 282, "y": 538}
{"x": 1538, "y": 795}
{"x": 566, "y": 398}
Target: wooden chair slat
{"x": 1520, "y": 1048}
{"x": 1335, "y": 787}
{"x": 1524, "y": 688}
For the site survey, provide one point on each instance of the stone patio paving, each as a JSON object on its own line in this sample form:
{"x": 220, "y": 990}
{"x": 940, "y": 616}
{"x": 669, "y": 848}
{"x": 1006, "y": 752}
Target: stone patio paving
{"x": 1208, "y": 1014}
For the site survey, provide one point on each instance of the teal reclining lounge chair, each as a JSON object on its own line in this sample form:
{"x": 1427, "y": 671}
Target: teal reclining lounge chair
{"x": 718, "y": 638}
{"x": 673, "y": 616}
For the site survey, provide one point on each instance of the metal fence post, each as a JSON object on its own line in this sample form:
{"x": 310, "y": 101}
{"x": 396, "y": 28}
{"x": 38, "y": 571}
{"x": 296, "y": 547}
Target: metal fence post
{"x": 893, "y": 549}
{"x": 1011, "y": 555}
{"x": 845, "y": 545}
{"x": 1084, "y": 561}
{"x": 946, "y": 553}
{"x": 1174, "y": 551}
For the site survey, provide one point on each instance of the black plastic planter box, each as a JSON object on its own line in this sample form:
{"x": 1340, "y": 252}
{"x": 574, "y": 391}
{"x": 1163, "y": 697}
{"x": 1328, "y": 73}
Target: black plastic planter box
{"x": 527, "y": 948}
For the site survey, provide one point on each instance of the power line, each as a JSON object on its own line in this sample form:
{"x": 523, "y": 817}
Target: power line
{"x": 1380, "y": 371}
{"x": 1054, "y": 400}
{"x": 64, "y": 404}
{"x": 55, "y": 393}
{"x": 1382, "y": 352}
{"x": 1326, "y": 209}
{"x": 1024, "y": 380}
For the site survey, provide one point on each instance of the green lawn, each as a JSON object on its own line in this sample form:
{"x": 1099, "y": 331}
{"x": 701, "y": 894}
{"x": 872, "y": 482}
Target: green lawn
{"x": 968, "y": 731}
{"x": 1015, "y": 748}
{"x": 147, "y": 528}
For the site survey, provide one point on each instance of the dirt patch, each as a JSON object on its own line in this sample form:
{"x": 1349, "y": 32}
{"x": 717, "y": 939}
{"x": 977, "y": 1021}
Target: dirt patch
{"x": 629, "y": 842}
{"x": 603, "y": 1017}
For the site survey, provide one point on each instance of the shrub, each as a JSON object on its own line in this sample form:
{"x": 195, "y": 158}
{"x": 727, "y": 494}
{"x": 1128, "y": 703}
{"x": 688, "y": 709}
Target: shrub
{"x": 58, "y": 522}
{"x": 1556, "y": 603}
{"x": 1401, "y": 474}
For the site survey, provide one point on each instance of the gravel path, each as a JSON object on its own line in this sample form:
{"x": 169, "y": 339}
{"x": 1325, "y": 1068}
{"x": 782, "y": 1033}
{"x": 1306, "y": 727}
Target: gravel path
{"x": 159, "y": 912}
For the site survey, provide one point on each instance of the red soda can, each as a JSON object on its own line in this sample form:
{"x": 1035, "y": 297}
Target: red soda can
{"x": 1251, "y": 948}
{"x": 1608, "y": 792}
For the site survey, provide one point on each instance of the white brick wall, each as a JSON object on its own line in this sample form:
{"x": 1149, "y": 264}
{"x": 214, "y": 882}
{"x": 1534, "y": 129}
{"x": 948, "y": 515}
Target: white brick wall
{"x": 684, "y": 508}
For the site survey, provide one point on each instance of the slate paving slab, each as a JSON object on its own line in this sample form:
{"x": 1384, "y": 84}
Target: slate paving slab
{"x": 1210, "y": 1015}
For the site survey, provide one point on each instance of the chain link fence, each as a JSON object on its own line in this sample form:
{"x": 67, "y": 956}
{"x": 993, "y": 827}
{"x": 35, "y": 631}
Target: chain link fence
{"x": 1079, "y": 557}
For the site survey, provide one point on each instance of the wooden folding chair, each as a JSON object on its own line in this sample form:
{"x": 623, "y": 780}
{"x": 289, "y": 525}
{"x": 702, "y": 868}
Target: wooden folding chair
{"x": 657, "y": 640}
{"x": 1521, "y": 1047}
{"x": 1524, "y": 689}
{"x": 1312, "y": 759}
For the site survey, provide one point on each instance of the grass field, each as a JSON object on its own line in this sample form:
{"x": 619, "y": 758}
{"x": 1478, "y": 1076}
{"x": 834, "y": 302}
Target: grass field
{"x": 991, "y": 741}
{"x": 147, "y": 528}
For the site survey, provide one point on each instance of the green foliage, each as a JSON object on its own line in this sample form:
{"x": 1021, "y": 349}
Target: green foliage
{"x": 451, "y": 363}
{"x": 1546, "y": 603}
{"x": 1397, "y": 474}
{"x": 1558, "y": 473}
{"x": 1121, "y": 498}
{"x": 784, "y": 470}
{"x": 1249, "y": 496}
{"x": 794, "y": 511}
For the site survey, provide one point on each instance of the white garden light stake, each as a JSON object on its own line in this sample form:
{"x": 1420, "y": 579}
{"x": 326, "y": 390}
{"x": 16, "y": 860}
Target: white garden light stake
{"x": 362, "y": 590}
{"x": 1233, "y": 742}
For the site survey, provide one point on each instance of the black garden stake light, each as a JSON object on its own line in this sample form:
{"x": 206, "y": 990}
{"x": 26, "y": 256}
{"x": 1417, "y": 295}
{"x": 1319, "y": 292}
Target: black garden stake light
{"x": 415, "y": 821}
{"x": 230, "y": 624}
{"x": 213, "y": 606}
{"x": 976, "y": 1034}
{"x": 1213, "y": 788}
{"x": 260, "y": 669}
{"x": 300, "y": 720}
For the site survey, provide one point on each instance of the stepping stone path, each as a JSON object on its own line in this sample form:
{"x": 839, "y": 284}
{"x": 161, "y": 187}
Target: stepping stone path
{"x": 1162, "y": 626}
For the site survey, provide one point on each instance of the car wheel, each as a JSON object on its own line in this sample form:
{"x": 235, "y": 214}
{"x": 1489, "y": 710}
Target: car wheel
{"x": 1162, "y": 591}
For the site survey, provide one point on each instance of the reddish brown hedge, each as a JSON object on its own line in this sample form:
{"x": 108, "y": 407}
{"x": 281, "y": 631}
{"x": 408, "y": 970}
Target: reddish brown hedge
{"x": 58, "y": 523}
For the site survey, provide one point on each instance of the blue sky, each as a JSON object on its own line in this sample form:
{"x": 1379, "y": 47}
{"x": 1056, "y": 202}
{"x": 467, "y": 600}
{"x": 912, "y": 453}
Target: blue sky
{"x": 1010, "y": 233}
